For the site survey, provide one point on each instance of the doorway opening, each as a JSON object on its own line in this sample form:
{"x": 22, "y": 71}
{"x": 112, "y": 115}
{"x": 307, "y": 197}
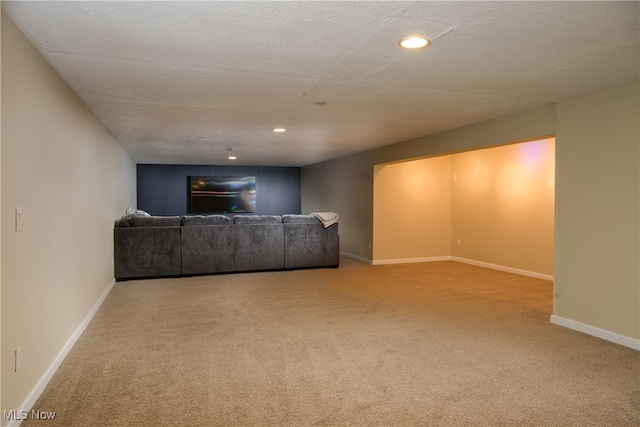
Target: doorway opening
{"x": 491, "y": 207}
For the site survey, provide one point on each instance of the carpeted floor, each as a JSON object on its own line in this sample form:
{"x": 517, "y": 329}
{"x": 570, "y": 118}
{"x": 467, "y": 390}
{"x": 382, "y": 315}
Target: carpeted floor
{"x": 433, "y": 344}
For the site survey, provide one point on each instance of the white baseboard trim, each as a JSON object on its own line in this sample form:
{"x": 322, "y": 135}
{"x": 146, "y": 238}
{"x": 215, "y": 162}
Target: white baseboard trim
{"x": 355, "y": 257}
{"x": 449, "y": 258}
{"x": 410, "y": 260}
{"x": 503, "y": 268}
{"x": 596, "y": 332}
{"x": 48, "y": 374}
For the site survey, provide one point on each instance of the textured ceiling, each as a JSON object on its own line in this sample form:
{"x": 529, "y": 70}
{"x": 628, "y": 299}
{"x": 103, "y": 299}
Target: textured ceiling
{"x": 187, "y": 82}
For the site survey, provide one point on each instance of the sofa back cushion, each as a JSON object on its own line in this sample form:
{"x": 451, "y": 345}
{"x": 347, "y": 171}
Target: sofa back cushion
{"x": 125, "y": 221}
{"x": 188, "y": 220}
{"x": 155, "y": 221}
{"x": 257, "y": 219}
{"x": 300, "y": 219}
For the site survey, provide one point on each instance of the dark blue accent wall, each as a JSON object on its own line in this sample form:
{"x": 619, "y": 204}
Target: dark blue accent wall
{"x": 163, "y": 189}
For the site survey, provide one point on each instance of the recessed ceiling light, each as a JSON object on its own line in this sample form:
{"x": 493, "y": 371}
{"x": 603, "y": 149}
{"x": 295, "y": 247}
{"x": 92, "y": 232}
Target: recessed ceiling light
{"x": 320, "y": 102}
{"x": 279, "y": 129}
{"x": 232, "y": 157}
{"x": 414, "y": 42}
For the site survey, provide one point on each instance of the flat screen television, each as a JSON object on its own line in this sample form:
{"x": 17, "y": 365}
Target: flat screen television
{"x": 222, "y": 194}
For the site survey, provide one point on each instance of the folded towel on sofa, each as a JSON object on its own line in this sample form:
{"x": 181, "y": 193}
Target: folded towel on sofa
{"x": 326, "y": 218}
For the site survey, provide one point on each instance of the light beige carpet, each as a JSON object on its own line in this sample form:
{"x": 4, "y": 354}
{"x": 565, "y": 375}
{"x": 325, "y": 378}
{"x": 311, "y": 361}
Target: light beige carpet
{"x": 434, "y": 344}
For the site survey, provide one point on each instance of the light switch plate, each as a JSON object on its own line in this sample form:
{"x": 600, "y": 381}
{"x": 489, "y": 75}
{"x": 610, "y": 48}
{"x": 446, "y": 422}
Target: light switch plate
{"x": 18, "y": 219}
{"x": 18, "y": 359}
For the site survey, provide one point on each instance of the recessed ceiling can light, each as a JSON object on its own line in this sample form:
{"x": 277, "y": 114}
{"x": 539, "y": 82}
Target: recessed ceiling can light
{"x": 414, "y": 42}
{"x": 279, "y": 129}
{"x": 232, "y": 157}
{"x": 320, "y": 102}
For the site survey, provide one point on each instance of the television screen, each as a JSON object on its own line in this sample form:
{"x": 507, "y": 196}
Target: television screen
{"x": 222, "y": 194}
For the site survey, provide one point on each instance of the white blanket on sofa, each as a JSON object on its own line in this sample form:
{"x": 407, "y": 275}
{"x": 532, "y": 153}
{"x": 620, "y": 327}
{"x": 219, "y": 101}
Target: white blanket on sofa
{"x": 326, "y": 218}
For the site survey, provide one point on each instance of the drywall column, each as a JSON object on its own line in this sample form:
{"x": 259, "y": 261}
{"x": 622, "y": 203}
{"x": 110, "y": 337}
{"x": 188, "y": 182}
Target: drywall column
{"x": 597, "y": 239}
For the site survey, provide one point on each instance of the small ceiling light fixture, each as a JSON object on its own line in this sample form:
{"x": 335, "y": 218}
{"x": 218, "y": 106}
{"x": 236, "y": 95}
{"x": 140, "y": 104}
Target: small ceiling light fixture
{"x": 320, "y": 102}
{"x": 232, "y": 157}
{"x": 414, "y": 42}
{"x": 279, "y": 129}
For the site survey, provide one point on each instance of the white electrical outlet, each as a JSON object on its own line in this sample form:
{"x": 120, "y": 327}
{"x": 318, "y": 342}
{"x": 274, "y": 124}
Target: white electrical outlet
{"x": 18, "y": 359}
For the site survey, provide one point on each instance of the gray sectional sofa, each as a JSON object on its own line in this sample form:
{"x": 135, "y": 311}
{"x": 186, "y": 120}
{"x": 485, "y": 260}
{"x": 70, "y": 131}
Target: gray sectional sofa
{"x": 154, "y": 246}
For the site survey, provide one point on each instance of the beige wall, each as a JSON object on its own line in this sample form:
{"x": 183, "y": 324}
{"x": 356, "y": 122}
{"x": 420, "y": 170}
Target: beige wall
{"x": 597, "y": 210}
{"x": 412, "y": 210}
{"x": 0, "y": 212}
{"x": 597, "y": 199}
{"x": 503, "y": 206}
{"x": 72, "y": 180}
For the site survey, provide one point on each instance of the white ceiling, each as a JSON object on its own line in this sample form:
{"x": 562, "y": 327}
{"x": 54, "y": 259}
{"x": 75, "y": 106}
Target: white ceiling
{"x": 186, "y": 82}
